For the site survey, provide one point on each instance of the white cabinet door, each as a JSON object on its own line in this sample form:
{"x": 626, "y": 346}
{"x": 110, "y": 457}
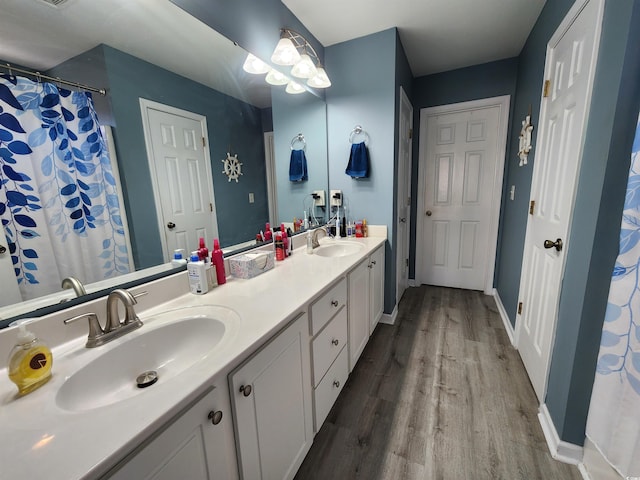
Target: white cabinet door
{"x": 198, "y": 445}
{"x": 358, "y": 281}
{"x": 376, "y": 285}
{"x": 271, "y": 395}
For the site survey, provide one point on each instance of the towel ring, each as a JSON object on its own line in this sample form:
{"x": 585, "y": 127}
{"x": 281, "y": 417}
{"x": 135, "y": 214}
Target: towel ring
{"x": 358, "y": 130}
{"x": 299, "y": 138}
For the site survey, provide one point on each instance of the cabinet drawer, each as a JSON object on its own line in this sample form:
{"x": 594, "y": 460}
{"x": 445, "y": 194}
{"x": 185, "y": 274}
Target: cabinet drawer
{"x": 327, "y": 345}
{"x": 326, "y": 306}
{"x": 330, "y": 387}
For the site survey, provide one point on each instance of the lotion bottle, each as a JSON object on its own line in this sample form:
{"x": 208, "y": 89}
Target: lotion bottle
{"x": 30, "y": 362}
{"x": 197, "y": 271}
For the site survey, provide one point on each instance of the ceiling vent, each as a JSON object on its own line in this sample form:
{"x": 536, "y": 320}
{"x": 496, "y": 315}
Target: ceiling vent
{"x": 54, "y": 3}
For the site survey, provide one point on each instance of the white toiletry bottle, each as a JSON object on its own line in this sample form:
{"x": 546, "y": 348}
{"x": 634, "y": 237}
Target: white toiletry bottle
{"x": 177, "y": 260}
{"x": 197, "y": 271}
{"x": 309, "y": 242}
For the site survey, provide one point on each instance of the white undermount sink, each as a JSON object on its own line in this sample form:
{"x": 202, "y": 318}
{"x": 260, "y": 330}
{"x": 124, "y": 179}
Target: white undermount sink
{"x": 168, "y": 343}
{"x": 341, "y": 249}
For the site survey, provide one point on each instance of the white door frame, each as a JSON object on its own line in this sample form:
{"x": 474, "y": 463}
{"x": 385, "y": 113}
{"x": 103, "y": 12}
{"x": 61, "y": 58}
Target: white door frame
{"x": 496, "y": 197}
{"x": 145, "y": 106}
{"x": 566, "y": 23}
{"x": 272, "y": 190}
{"x": 404, "y": 175}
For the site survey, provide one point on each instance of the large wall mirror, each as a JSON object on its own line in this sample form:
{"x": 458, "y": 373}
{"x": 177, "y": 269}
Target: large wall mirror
{"x": 153, "y": 50}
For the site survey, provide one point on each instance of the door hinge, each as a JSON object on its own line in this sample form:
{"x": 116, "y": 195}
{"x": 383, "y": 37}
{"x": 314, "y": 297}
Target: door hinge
{"x": 532, "y": 207}
{"x": 547, "y": 87}
{"x": 211, "y": 207}
{"x": 204, "y": 143}
{"x": 410, "y": 133}
{"x": 406, "y": 262}
{"x": 520, "y": 308}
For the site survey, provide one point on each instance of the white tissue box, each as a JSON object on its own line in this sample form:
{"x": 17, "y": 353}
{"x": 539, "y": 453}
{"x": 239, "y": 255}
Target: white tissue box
{"x": 251, "y": 265}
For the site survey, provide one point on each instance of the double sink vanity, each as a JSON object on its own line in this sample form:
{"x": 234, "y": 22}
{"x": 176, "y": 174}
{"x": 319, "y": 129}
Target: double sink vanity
{"x": 246, "y": 374}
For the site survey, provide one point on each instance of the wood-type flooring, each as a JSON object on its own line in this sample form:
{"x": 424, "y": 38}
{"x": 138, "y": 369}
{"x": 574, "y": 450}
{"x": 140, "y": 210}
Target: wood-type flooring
{"x": 440, "y": 395}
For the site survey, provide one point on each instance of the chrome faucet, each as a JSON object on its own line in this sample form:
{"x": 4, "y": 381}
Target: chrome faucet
{"x": 73, "y": 282}
{"x": 315, "y": 243}
{"x": 114, "y": 327}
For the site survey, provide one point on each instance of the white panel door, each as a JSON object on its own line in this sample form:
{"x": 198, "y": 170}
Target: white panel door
{"x": 458, "y": 171}
{"x": 404, "y": 194}
{"x": 182, "y": 176}
{"x": 570, "y": 66}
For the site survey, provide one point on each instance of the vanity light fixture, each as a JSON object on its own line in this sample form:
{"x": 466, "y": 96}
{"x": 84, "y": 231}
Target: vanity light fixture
{"x": 254, "y": 65}
{"x": 292, "y": 50}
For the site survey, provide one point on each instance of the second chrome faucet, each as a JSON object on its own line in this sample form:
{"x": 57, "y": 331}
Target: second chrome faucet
{"x": 114, "y": 326}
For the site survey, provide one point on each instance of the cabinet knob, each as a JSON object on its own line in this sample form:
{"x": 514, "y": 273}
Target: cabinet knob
{"x": 335, "y": 342}
{"x": 215, "y": 417}
{"x": 336, "y": 383}
{"x": 373, "y": 262}
{"x": 334, "y": 303}
{"x": 245, "y": 390}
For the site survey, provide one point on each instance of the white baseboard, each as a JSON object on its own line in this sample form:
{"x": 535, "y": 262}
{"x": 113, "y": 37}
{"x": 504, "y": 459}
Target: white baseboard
{"x": 505, "y": 318}
{"x": 560, "y": 450}
{"x": 413, "y": 283}
{"x": 390, "y": 318}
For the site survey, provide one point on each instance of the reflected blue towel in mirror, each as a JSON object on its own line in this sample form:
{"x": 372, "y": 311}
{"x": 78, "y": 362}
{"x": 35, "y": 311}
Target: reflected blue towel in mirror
{"x": 298, "y": 166}
{"x": 358, "y": 166}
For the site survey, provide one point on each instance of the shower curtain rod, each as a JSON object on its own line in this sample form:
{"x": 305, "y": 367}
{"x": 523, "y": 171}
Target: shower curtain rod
{"x": 41, "y": 76}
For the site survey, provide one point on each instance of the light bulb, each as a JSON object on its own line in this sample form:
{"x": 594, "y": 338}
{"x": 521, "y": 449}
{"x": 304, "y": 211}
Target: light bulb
{"x": 274, "y": 77}
{"x": 294, "y": 88}
{"x": 304, "y": 68}
{"x": 254, "y": 65}
{"x": 320, "y": 80}
{"x": 285, "y": 53}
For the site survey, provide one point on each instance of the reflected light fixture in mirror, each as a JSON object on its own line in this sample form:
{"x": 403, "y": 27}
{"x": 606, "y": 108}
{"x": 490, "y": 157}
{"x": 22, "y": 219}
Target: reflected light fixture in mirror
{"x": 304, "y": 68}
{"x": 254, "y": 65}
{"x": 274, "y": 77}
{"x": 294, "y": 88}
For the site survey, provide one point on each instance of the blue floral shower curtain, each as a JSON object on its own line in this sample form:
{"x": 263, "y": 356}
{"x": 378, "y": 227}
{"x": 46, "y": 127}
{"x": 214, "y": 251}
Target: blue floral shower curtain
{"x": 58, "y": 199}
{"x": 613, "y": 424}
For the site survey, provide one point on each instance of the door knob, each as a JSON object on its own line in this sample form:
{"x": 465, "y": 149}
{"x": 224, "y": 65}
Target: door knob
{"x": 429, "y": 213}
{"x": 171, "y": 225}
{"x": 215, "y": 417}
{"x": 550, "y": 244}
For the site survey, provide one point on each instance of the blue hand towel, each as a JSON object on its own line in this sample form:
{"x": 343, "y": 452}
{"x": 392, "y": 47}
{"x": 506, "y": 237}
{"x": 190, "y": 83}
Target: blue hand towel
{"x": 298, "y": 166}
{"x": 358, "y": 166}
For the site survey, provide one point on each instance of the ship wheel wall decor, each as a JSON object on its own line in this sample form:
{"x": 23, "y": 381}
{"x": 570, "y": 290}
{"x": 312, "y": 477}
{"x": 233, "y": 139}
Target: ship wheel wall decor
{"x": 232, "y": 167}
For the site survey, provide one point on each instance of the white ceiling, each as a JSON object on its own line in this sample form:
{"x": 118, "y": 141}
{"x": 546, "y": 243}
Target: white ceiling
{"x": 437, "y": 35}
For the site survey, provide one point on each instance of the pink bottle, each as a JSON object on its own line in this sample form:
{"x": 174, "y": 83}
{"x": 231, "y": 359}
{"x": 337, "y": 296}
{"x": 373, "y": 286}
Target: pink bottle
{"x": 285, "y": 239}
{"x": 267, "y": 232}
{"x": 218, "y": 262}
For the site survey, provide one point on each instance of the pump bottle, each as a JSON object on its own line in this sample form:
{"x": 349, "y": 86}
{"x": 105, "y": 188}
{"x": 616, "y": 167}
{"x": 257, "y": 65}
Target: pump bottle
{"x": 30, "y": 362}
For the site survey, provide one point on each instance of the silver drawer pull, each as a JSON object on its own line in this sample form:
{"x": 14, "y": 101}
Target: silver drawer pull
{"x": 334, "y": 303}
{"x": 335, "y": 342}
{"x": 215, "y": 417}
{"x": 336, "y": 383}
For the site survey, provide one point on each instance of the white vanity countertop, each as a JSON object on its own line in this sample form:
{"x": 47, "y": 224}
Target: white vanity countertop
{"x": 41, "y": 440}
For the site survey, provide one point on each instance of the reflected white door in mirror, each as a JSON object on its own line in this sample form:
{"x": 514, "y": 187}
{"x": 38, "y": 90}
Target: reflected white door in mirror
{"x": 181, "y": 174}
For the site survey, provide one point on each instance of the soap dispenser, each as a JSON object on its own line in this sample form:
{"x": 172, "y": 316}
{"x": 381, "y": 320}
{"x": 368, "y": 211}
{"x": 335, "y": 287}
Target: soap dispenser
{"x": 30, "y": 361}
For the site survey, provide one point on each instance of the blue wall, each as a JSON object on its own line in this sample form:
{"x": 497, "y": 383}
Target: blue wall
{"x": 363, "y": 93}
{"x": 294, "y": 114}
{"x": 232, "y": 125}
{"x": 462, "y": 85}
{"x": 596, "y": 219}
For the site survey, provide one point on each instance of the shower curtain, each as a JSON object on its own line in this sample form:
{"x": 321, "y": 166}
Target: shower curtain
{"x": 58, "y": 200}
{"x": 613, "y": 424}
